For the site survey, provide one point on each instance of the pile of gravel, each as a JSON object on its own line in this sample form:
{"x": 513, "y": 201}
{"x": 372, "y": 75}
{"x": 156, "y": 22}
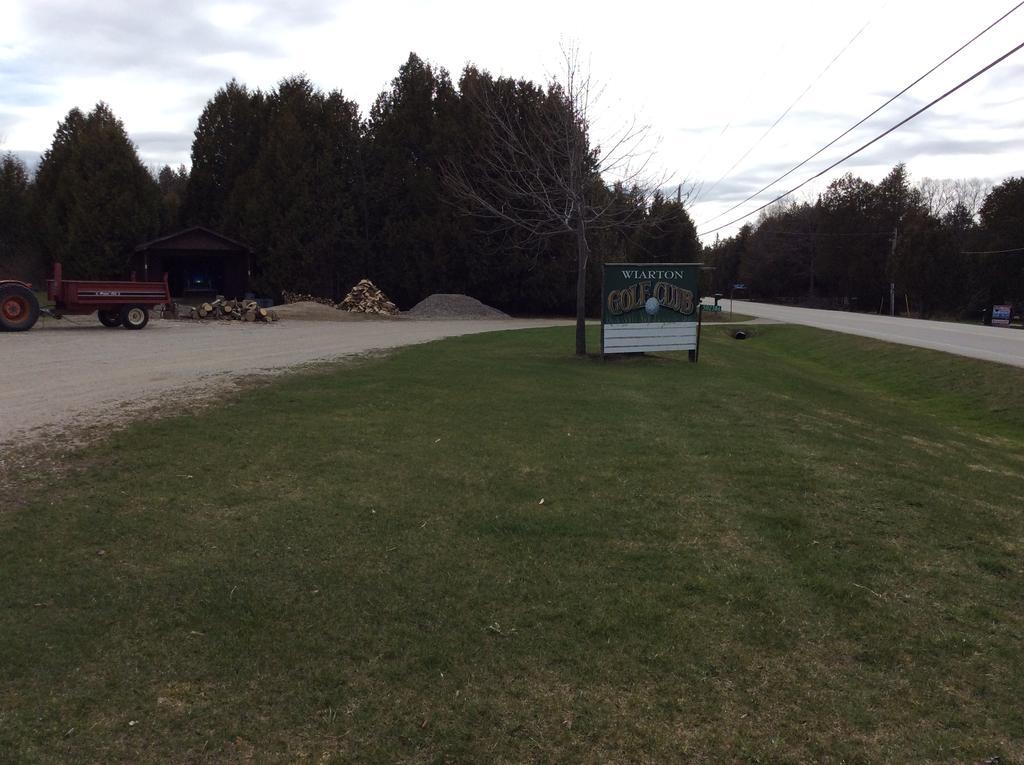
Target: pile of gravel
{"x": 449, "y": 306}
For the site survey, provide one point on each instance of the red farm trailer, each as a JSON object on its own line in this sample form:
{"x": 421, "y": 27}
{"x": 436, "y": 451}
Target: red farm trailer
{"x": 118, "y": 304}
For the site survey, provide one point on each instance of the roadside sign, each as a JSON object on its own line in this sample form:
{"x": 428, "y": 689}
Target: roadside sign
{"x": 650, "y": 307}
{"x": 1001, "y": 315}
{"x": 711, "y": 308}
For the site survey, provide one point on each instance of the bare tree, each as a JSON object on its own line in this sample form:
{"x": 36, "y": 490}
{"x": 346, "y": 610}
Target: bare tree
{"x": 971, "y": 193}
{"x": 935, "y": 195}
{"x": 942, "y": 195}
{"x": 535, "y": 169}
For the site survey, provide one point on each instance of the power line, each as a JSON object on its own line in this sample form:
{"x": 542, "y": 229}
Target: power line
{"x": 700, "y": 162}
{"x": 874, "y": 140}
{"x": 865, "y": 119}
{"x": 991, "y": 252}
{"x": 789, "y": 108}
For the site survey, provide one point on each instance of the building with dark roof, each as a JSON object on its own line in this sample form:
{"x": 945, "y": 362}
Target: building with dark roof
{"x": 199, "y": 264}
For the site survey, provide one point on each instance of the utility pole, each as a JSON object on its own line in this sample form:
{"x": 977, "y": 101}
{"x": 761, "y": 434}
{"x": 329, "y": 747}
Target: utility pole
{"x": 892, "y": 281}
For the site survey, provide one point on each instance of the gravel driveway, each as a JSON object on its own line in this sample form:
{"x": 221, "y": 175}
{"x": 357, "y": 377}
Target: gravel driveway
{"x": 61, "y": 377}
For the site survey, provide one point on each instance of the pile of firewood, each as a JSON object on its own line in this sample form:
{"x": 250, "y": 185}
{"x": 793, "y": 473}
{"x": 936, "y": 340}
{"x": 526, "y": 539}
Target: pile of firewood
{"x": 366, "y": 298}
{"x": 303, "y": 297}
{"x": 230, "y": 310}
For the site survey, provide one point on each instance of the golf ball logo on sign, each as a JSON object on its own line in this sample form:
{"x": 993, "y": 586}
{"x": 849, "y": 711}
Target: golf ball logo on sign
{"x": 651, "y": 306}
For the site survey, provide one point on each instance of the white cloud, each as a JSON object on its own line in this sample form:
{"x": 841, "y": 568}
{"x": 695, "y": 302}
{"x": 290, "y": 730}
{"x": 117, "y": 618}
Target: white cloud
{"x": 232, "y": 15}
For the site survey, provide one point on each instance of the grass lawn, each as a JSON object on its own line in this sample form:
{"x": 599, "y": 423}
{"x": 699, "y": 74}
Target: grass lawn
{"x": 724, "y": 317}
{"x": 806, "y": 548}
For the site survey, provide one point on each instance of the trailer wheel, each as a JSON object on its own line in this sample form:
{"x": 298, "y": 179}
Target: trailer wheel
{"x": 19, "y": 308}
{"x": 134, "y": 316}
{"x": 109, "y": 318}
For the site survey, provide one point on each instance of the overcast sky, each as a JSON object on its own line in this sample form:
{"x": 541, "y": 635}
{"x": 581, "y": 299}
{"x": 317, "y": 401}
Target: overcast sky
{"x": 709, "y": 77}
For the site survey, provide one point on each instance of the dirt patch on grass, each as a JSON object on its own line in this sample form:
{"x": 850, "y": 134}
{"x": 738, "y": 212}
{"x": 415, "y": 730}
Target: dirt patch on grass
{"x": 931, "y": 447}
{"x": 997, "y": 471}
{"x": 831, "y": 414}
{"x": 996, "y": 441}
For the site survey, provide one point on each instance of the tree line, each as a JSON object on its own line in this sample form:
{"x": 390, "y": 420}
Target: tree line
{"x": 326, "y": 196}
{"x": 950, "y": 248}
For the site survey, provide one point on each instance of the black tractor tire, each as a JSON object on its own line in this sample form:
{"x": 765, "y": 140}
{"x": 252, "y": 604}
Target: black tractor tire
{"x": 19, "y": 308}
{"x": 109, "y": 318}
{"x": 134, "y": 316}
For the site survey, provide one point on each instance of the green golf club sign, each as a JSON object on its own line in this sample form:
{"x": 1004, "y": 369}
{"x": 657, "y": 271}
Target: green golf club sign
{"x": 647, "y": 307}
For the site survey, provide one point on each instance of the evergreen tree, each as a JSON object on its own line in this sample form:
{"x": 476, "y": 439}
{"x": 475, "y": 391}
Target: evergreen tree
{"x": 18, "y": 253}
{"x": 853, "y": 258}
{"x": 1002, "y": 228}
{"x": 297, "y": 204}
{"x": 928, "y": 266}
{"x": 667, "y": 234}
{"x": 173, "y": 185}
{"x": 225, "y": 146}
{"x": 418, "y": 245}
{"x": 503, "y": 265}
{"x": 782, "y": 258}
{"x": 727, "y": 257}
{"x": 93, "y": 197}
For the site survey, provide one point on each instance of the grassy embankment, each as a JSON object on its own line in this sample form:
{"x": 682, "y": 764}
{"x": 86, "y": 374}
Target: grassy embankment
{"x": 725, "y": 317}
{"x": 805, "y": 548}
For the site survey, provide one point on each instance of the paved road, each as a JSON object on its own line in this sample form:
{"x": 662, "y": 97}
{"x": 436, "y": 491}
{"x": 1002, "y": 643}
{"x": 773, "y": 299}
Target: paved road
{"x": 62, "y": 377}
{"x": 989, "y": 343}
